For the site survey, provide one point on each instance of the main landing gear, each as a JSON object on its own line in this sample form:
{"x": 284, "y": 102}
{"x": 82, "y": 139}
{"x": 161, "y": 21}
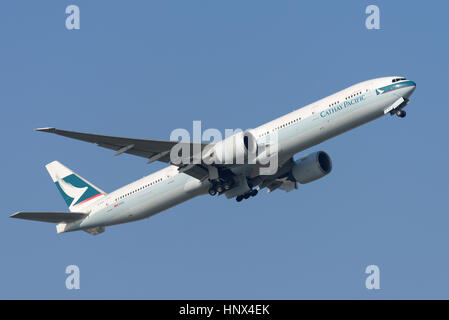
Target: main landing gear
{"x": 251, "y": 193}
{"x": 220, "y": 187}
{"x": 401, "y": 113}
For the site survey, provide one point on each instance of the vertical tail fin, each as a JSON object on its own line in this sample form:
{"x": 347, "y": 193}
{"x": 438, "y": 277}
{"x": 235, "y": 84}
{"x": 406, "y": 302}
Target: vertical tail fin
{"x": 76, "y": 191}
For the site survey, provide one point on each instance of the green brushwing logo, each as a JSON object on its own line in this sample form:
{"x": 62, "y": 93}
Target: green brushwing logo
{"x": 75, "y": 190}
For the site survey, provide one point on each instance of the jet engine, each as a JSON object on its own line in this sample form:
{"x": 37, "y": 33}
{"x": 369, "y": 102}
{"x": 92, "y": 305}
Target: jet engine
{"x": 312, "y": 167}
{"x": 236, "y": 149}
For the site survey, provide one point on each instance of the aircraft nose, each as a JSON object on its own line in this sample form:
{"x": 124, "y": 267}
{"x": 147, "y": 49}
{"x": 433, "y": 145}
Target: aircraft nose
{"x": 411, "y": 87}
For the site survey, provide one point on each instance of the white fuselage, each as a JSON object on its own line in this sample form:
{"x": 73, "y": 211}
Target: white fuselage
{"x": 296, "y": 131}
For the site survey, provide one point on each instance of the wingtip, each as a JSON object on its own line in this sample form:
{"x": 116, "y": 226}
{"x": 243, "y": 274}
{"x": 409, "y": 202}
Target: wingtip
{"x": 14, "y": 215}
{"x": 47, "y": 129}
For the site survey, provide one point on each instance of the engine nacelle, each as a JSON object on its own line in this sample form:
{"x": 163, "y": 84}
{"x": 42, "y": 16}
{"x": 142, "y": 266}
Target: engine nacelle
{"x": 233, "y": 150}
{"x": 312, "y": 167}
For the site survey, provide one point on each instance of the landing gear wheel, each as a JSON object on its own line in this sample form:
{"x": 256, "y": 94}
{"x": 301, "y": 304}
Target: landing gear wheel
{"x": 253, "y": 193}
{"x": 246, "y": 196}
{"x": 212, "y": 192}
{"x": 227, "y": 186}
{"x": 239, "y": 198}
{"x": 401, "y": 113}
{"x": 219, "y": 188}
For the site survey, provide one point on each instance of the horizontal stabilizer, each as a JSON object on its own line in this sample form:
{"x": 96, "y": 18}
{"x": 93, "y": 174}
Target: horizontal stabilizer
{"x": 55, "y": 217}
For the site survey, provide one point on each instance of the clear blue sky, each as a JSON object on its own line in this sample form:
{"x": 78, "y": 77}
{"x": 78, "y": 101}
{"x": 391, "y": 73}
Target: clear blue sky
{"x": 144, "y": 68}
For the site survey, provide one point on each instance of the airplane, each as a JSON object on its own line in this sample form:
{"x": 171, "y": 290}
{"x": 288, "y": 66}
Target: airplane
{"x": 91, "y": 209}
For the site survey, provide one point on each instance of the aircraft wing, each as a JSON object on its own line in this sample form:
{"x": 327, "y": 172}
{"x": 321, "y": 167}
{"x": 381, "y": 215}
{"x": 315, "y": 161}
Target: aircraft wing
{"x": 153, "y": 150}
{"x": 54, "y": 217}
{"x": 150, "y": 149}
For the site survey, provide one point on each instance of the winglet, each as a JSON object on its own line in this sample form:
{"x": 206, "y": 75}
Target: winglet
{"x": 48, "y": 129}
{"x": 15, "y": 215}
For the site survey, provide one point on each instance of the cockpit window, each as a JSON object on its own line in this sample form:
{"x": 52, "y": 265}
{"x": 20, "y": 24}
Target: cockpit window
{"x": 398, "y": 79}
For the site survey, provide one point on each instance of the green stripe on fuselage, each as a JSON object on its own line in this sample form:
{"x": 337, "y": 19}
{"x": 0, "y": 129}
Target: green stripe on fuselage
{"x": 395, "y": 86}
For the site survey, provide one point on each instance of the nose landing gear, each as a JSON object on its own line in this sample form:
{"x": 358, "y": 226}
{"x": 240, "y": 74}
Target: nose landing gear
{"x": 401, "y": 113}
{"x": 397, "y": 108}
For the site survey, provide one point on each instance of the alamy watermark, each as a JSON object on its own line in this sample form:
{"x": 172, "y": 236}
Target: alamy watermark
{"x": 372, "y": 282}
{"x": 236, "y": 147}
{"x": 373, "y": 20}
{"x": 72, "y": 22}
{"x": 73, "y": 279}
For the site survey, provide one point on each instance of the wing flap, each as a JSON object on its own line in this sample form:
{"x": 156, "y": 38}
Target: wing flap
{"x": 54, "y": 217}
